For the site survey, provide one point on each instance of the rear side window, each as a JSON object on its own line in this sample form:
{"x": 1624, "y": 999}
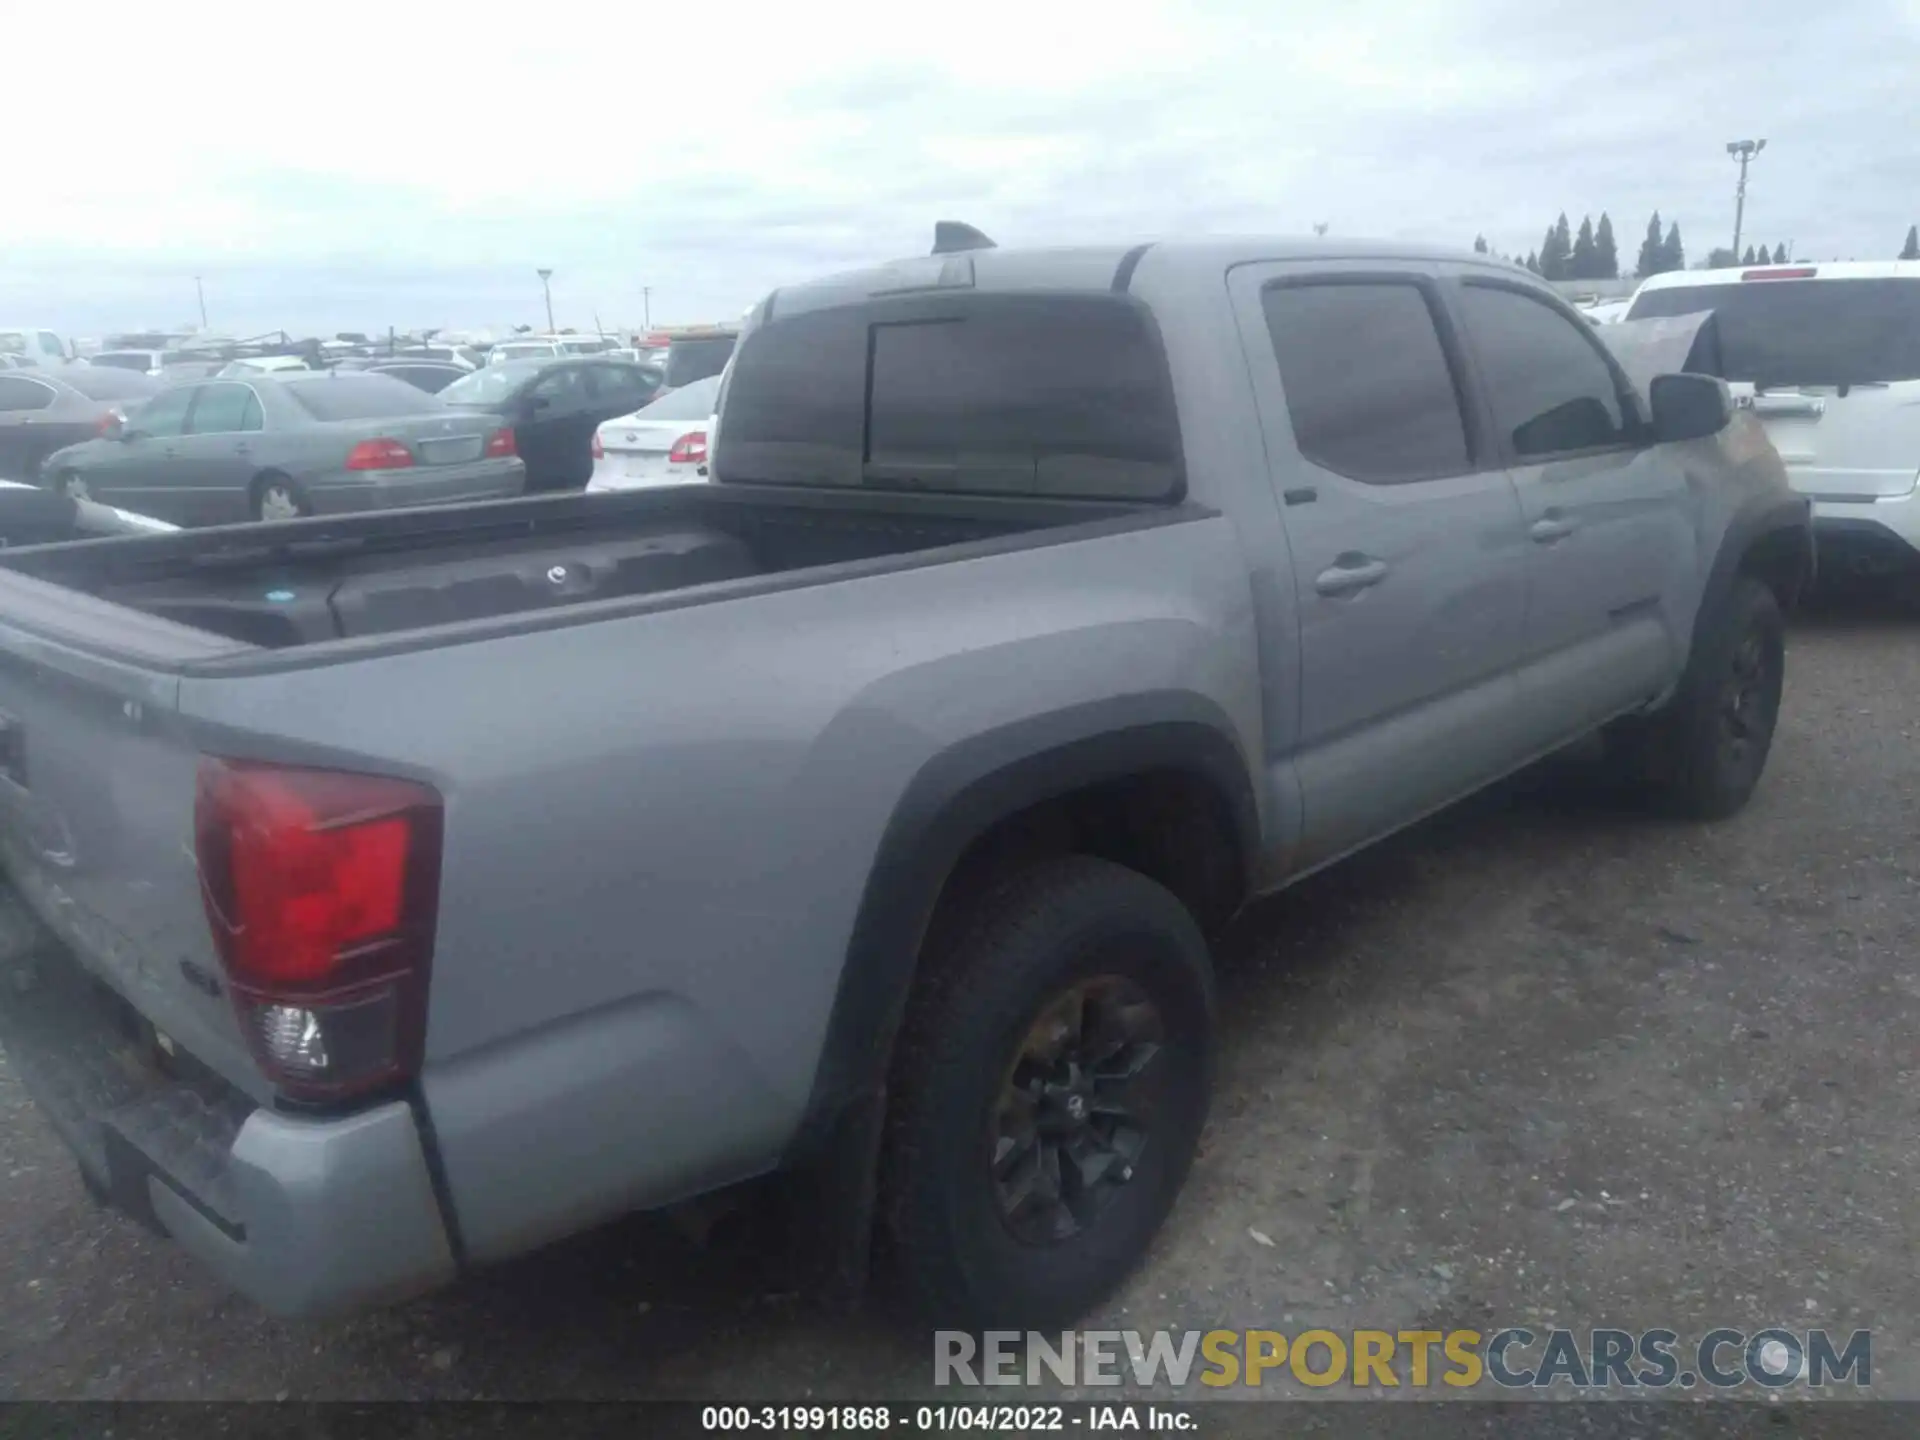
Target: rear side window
{"x": 358, "y": 397}
{"x": 1038, "y": 395}
{"x": 1367, "y": 382}
{"x": 1551, "y": 389}
{"x": 1804, "y": 332}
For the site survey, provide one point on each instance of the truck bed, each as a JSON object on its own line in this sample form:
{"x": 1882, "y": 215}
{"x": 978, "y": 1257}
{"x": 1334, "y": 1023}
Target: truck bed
{"x": 282, "y": 587}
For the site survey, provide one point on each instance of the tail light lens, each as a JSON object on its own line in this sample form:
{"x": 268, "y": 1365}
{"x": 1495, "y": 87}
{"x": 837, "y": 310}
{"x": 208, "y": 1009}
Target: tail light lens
{"x": 108, "y": 423}
{"x": 1804, "y": 272}
{"x": 599, "y": 450}
{"x": 379, "y": 455}
{"x": 689, "y": 449}
{"x": 322, "y": 889}
{"x": 500, "y": 445}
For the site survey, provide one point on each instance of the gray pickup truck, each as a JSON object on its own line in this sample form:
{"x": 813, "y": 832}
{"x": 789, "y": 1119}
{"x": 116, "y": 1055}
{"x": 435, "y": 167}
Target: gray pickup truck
{"x": 434, "y": 884}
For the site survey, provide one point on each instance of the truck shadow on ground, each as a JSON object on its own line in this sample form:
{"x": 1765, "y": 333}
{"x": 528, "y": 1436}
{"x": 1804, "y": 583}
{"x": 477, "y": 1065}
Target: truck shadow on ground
{"x": 638, "y": 1308}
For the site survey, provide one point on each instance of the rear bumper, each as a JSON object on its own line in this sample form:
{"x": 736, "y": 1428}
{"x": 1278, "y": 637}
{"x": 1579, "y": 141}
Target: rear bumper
{"x": 1871, "y": 543}
{"x": 305, "y": 1217}
{"x": 439, "y": 485}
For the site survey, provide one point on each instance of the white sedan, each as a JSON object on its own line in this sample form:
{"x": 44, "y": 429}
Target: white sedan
{"x": 664, "y": 443}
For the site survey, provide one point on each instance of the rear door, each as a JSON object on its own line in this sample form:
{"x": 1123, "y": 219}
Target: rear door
{"x": 1407, "y": 545}
{"x": 1830, "y": 365}
{"x": 1609, "y": 528}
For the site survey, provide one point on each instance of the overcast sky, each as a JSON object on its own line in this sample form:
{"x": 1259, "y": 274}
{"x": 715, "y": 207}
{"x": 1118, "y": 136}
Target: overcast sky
{"x": 344, "y": 165}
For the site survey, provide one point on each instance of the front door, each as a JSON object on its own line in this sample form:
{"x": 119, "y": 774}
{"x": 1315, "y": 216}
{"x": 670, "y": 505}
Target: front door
{"x": 555, "y": 434}
{"x": 1609, "y": 531}
{"x": 140, "y": 471}
{"x": 1408, "y": 551}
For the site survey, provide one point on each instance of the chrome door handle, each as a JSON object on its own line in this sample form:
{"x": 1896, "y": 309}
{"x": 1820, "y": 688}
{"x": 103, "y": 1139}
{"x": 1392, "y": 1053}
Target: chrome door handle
{"x": 1548, "y": 532}
{"x": 1350, "y": 575}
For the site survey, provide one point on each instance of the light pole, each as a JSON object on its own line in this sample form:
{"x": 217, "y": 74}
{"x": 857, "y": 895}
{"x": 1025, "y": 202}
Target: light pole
{"x": 1743, "y": 151}
{"x": 201, "y": 291}
{"x": 546, "y": 288}
{"x": 646, "y": 305}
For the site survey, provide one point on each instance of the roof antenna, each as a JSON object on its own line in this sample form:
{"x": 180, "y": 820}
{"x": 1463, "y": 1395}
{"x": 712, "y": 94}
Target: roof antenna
{"x": 952, "y": 236}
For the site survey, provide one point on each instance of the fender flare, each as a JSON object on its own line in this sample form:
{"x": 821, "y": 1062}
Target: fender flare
{"x": 1760, "y": 517}
{"x": 956, "y": 797}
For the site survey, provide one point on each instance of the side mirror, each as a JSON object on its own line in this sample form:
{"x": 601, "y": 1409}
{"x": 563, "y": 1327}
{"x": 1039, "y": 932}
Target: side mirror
{"x": 1689, "y": 407}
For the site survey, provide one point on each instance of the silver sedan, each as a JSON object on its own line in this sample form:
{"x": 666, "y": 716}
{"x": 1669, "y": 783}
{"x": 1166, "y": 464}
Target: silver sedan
{"x": 273, "y": 447}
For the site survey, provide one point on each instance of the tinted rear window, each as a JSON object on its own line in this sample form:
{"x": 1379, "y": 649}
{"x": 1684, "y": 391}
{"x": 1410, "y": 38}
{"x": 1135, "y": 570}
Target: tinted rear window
{"x": 691, "y": 360}
{"x": 1804, "y": 332}
{"x": 358, "y": 397}
{"x": 122, "y": 360}
{"x": 1054, "y": 395}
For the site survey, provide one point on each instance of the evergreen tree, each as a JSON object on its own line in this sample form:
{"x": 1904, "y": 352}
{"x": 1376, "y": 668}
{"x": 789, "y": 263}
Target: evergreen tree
{"x": 1721, "y": 258}
{"x": 1911, "y": 250}
{"x": 1606, "y": 257}
{"x": 1584, "y": 262}
{"x": 1479, "y": 244}
{"x": 1556, "y": 254}
{"x": 1650, "y": 250}
{"x": 1533, "y": 261}
{"x": 1780, "y": 254}
{"x": 1748, "y": 258}
{"x": 1673, "y": 255}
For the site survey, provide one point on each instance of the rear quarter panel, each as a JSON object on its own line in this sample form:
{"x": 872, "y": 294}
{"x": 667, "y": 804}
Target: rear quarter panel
{"x": 659, "y": 830}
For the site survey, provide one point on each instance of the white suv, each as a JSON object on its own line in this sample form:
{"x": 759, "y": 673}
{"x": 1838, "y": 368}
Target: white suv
{"x": 1828, "y": 357}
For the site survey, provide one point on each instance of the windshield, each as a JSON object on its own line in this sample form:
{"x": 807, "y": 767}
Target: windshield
{"x": 484, "y": 387}
{"x": 1804, "y": 332}
{"x": 358, "y": 396}
{"x": 520, "y": 352}
{"x": 13, "y": 342}
{"x": 123, "y": 359}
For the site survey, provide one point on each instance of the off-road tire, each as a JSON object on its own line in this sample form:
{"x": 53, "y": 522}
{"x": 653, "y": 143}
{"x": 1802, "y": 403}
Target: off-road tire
{"x": 1702, "y": 755}
{"x": 992, "y": 964}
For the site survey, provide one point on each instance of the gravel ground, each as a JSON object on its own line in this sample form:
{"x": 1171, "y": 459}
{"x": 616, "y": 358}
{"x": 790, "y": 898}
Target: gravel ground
{"x": 1539, "y": 1062}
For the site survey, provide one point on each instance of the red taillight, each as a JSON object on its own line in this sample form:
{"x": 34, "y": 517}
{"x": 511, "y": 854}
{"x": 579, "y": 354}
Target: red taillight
{"x": 379, "y": 455}
{"x": 321, "y": 888}
{"x": 104, "y": 425}
{"x": 500, "y": 444}
{"x": 1802, "y": 272}
{"x": 689, "y": 449}
{"x": 599, "y": 450}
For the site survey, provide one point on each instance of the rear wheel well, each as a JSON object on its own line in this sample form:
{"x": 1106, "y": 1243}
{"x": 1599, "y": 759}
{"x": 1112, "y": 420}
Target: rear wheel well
{"x": 1171, "y": 825}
